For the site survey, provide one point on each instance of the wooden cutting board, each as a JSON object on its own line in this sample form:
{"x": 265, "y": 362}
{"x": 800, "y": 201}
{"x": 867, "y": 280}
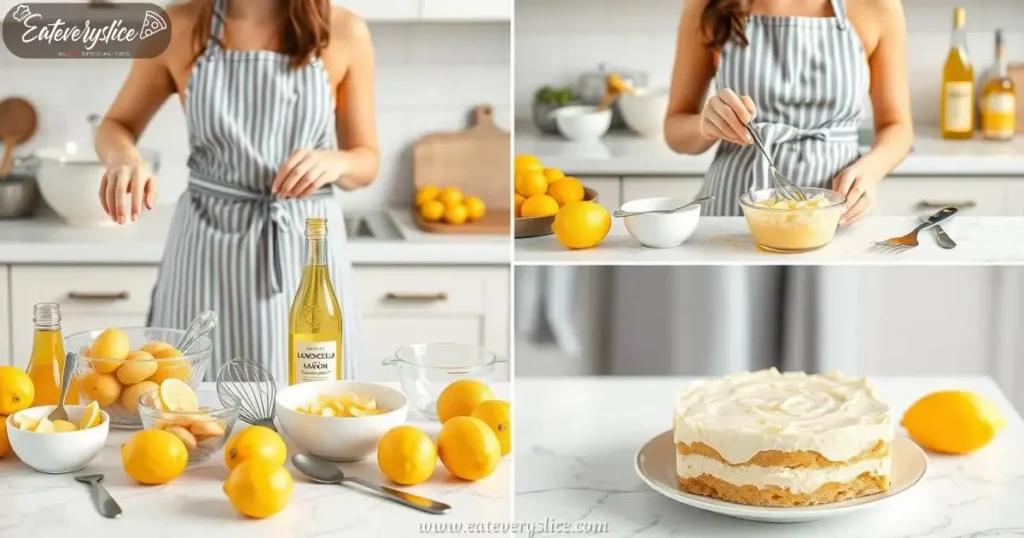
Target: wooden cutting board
{"x": 477, "y": 162}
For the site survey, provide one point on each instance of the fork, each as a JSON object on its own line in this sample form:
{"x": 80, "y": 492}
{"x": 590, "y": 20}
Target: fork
{"x": 780, "y": 183}
{"x": 65, "y": 381}
{"x": 904, "y": 243}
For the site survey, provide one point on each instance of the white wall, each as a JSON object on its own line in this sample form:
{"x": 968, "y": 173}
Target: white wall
{"x": 428, "y": 77}
{"x": 558, "y": 39}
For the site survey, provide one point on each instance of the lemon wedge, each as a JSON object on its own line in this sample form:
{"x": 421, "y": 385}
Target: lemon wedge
{"x": 27, "y": 424}
{"x": 92, "y": 416}
{"x": 176, "y": 395}
{"x": 45, "y": 426}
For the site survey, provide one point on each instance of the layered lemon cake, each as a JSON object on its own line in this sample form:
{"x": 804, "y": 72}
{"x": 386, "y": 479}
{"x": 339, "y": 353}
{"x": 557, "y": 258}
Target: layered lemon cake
{"x": 783, "y": 439}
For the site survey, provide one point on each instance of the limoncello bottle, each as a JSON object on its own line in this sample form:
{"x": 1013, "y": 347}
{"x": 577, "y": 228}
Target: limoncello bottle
{"x": 315, "y": 324}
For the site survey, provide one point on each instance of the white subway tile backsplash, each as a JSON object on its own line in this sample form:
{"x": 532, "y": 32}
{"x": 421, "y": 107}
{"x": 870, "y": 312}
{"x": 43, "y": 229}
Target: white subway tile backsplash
{"x": 429, "y": 76}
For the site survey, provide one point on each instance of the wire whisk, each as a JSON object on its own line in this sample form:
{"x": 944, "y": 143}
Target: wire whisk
{"x": 254, "y": 389}
{"x": 784, "y": 188}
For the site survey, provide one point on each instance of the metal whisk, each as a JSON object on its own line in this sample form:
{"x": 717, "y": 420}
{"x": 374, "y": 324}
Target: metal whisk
{"x": 780, "y": 183}
{"x": 253, "y": 387}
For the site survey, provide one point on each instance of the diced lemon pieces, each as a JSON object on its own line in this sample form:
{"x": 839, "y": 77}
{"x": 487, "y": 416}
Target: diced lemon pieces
{"x": 347, "y": 405}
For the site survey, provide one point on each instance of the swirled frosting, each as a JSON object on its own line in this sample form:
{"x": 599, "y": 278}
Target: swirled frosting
{"x": 749, "y": 412}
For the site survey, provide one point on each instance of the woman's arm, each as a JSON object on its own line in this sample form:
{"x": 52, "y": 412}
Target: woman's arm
{"x": 890, "y": 98}
{"x": 694, "y": 67}
{"x": 355, "y": 163}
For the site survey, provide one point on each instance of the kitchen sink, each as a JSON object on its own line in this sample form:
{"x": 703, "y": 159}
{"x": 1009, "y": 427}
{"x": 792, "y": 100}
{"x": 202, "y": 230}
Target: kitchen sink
{"x": 370, "y": 226}
{"x": 358, "y": 228}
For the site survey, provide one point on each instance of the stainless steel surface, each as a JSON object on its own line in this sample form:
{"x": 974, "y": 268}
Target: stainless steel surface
{"x": 201, "y": 326}
{"x": 327, "y": 473}
{"x": 780, "y": 183}
{"x": 944, "y": 240}
{"x": 252, "y": 386}
{"x": 105, "y": 504}
{"x": 909, "y": 241}
{"x": 65, "y": 381}
{"x": 19, "y": 196}
{"x": 618, "y": 213}
{"x": 357, "y": 227}
{"x": 372, "y": 225}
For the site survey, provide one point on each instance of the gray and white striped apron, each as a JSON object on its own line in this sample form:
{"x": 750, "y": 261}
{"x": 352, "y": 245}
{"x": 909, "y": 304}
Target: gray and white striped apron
{"x": 233, "y": 247}
{"x": 807, "y": 76}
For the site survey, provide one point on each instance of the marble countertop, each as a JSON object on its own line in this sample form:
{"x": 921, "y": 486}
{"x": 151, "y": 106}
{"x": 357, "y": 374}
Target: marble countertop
{"x": 576, "y": 440}
{"x": 727, "y": 240}
{"x": 47, "y": 239}
{"x": 622, "y": 153}
{"x": 36, "y": 504}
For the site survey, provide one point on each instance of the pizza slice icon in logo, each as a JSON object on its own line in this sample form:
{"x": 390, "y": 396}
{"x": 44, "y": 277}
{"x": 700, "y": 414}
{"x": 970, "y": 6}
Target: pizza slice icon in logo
{"x": 152, "y": 24}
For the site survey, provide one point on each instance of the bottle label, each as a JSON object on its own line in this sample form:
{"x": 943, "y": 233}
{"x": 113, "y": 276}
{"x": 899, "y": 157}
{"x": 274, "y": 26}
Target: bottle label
{"x": 959, "y": 109}
{"x": 316, "y": 361}
{"x": 999, "y": 117}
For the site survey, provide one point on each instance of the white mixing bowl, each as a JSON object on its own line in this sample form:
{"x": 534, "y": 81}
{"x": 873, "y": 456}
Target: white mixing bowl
{"x": 57, "y": 453}
{"x": 644, "y": 111}
{"x": 339, "y": 438}
{"x": 582, "y": 123}
{"x": 660, "y": 230}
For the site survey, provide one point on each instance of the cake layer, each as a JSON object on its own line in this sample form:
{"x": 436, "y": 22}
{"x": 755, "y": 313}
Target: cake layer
{"x": 746, "y": 413}
{"x": 865, "y": 484}
{"x": 800, "y": 480}
{"x": 775, "y": 458}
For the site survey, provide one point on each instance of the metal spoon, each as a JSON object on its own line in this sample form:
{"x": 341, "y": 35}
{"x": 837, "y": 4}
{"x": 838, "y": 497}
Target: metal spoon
{"x": 106, "y": 504}
{"x": 200, "y": 327}
{"x": 618, "y": 213}
{"x": 65, "y": 381}
{"x": 326, "y": 472}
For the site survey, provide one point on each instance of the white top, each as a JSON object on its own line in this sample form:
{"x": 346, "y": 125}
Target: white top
{"x": 622, "y": 153}
{"x": 576, "y": 439}
{"x": 745, "y": 413}
{"x": 727, "y": 240}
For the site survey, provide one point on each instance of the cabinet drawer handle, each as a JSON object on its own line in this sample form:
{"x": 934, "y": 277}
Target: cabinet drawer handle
{"x": 966, "y": 204}
{"x": 99, "y": 296}
{"x": 415, "y": 296}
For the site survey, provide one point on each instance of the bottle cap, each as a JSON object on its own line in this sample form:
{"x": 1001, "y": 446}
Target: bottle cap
{"x": 316, "y": 227}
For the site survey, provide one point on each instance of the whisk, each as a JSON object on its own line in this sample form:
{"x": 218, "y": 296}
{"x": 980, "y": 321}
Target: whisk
{"x": 254, "y": 389}
{"x": 780, "y": 183}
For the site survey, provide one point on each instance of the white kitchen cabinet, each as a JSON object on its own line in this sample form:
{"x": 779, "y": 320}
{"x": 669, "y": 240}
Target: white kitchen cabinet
{"x": 461, "y": 10}
{"x": 685, "y": 187}
{"x": 92, "y": 297}
{"x": 5, "y": 318}
{"x": 383, "y": 10}
{"x": 609, "y": 190}
{"x": 979, "y": 197}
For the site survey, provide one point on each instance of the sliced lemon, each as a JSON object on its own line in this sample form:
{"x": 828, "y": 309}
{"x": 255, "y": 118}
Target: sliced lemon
{"x": 27, "y": 424}
{"x": 176, "y": 395}
{"x": 360, "y": 412}
{"x": 92, "y": 416}
{"x": 61, "y": 426}
{"x": 328, "y": 412}
{"x": 45, "y": 426}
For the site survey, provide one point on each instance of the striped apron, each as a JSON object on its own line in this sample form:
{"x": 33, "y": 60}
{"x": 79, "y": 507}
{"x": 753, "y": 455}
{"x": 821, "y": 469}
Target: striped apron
{"x": 807, "y": 76}
{"x": 233, "y": 247}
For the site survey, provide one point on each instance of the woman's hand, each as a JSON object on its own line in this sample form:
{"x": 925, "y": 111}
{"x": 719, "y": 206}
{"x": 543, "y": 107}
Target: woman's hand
{"x": 861, "y": 194}
{"x": 725, "y": 117}
{"x": 123, "y": 177}
{"x": 307, "y": 170}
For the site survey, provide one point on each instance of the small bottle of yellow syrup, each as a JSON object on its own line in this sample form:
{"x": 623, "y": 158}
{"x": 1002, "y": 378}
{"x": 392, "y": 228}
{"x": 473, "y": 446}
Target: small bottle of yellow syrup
{"x": 314, "y": 324}
{"x": 46, "y": 365}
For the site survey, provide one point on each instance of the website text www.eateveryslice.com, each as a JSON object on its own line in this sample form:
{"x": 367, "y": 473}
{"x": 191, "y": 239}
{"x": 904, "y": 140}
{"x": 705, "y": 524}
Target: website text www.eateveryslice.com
{"x": 535, "y": 528}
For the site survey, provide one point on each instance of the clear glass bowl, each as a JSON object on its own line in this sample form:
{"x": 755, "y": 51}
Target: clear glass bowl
{"x": 791, "y": 230}
{"x": 98, "y": 380}
{"x": 424, "y": 370}
{"x": 204, "y": 431}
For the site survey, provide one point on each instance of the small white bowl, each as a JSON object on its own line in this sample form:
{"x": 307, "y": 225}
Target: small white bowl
{"x": 339, "y": 438}
{"x": 644, "y": 111}
{"x": 582, "y": 123}
{"x": 660, "y": 230}
{"x": 57, "y": 453}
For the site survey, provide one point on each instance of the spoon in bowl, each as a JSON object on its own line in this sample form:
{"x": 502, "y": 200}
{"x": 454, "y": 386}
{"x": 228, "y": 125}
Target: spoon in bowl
{"x": 325, "y": 472}
{"x": 618, "y": 213}
{"x": 65, "y": 381}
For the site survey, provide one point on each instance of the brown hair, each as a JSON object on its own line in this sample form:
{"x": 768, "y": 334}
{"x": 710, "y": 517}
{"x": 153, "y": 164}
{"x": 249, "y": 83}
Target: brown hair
{"x": 305, "y": 29}
{"x": 723, "y": 20}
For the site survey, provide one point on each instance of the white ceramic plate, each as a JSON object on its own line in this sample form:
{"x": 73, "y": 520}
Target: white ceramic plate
{"x": 656, "y": 465}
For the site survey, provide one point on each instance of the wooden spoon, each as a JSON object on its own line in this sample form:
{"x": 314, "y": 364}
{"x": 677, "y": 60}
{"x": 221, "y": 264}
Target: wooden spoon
{"x": 18, "y": 122}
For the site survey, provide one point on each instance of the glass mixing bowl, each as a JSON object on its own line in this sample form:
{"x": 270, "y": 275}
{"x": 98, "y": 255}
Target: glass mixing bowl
{"x": 424, "y": 370}
{"x": 795, "y": 226}
{"x": 204, "y": 431}
{"x": 119, "y": 396}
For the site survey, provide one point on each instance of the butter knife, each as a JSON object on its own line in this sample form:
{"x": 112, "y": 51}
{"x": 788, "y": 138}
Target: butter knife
{"x": 944, "y": 240}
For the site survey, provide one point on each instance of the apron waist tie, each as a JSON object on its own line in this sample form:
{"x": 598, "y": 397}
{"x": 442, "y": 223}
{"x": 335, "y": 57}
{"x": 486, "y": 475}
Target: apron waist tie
{"x": 275, "y": 219}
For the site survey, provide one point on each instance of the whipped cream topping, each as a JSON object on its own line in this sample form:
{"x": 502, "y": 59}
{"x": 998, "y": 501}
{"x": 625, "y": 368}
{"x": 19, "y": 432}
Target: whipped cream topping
{"x": 799, "y": 480}
{"x": 748, "y": 412}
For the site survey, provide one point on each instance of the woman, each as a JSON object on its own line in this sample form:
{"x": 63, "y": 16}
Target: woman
{"x": 268, "y": 88}
{"x": 799, "y": 70}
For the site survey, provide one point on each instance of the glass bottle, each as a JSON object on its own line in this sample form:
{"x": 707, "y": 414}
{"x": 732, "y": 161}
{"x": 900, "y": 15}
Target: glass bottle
{"x": 47, "y": 362}
{"x": 998, "y": 99}
{"x": 957, "y": 99}
{"x": 315, "y": 324}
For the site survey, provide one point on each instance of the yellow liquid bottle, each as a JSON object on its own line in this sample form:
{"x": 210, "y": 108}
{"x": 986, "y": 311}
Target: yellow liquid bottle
{"x": 47, "y": 362}
{"x": 957, "y": 99}
{"x": 314, "y": 324}
{"x": 998, "y": 99}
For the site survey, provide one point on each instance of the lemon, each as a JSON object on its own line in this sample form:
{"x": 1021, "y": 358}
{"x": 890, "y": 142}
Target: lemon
{"x": 426, "y": 194}
{"x": 16, "y": 390}
{"x": 475, "y": 208}
{"x": 498, "y": 415}
{"x": 540, "y": 205}
{"x": 468, "y": 448}
{"x": 259, "y": 488}
{"x": 461, "y": 397}
{"x": 45, "y": 426}
{"x": 953, "y": 421}
{"x": 527, "y": 162}
{"x": 406, "y": 455}
{"x": 176, "y": 395}
{"x": 432, "y": 211}
{"x": 581, "y": 225}
{"x": 553, "y": 175}
{"x": 450, "y": 196}
{"x": 455, "y": 213}
{"x": 154, "y": 457}
{"x": 531, "y": 182}
{"x": 566, "y": 190}
{"x": 519, "y": 199}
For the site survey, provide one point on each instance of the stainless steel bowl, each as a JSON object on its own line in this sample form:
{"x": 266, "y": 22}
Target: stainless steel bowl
{"x": 19, "y": 196}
